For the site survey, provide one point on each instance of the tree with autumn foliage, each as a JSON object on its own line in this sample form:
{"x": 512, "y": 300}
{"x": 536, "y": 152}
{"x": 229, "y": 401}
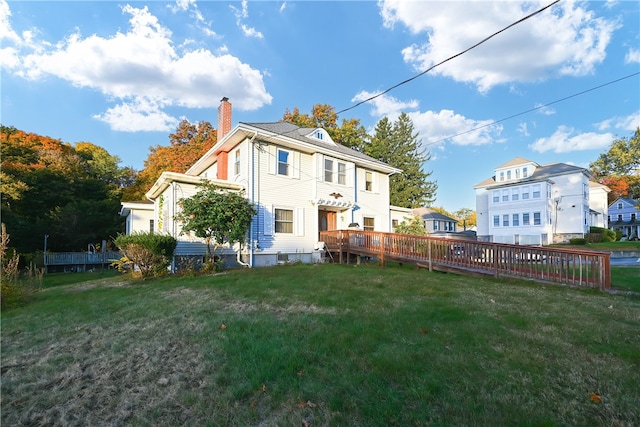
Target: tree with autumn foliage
{"x": 350, "y": 133}
{"x": 619, "y": 167}
{"x": 71, "y": 193}
{"x": 187, "y": 145}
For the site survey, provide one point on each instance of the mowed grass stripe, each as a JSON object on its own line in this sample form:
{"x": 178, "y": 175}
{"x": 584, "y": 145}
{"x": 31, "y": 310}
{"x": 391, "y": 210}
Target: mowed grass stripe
{"x": 327, "y": 345}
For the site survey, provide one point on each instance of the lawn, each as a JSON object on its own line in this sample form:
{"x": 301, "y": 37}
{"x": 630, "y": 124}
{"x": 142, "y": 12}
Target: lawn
{"x": 321, "y": 345}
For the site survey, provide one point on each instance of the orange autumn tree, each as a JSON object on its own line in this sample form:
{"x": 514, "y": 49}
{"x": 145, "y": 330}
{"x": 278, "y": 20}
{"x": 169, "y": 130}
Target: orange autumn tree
{"x": 187, "y": 145}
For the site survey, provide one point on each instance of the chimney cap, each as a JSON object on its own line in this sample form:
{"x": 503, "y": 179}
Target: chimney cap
{"x": 224, "y": 99}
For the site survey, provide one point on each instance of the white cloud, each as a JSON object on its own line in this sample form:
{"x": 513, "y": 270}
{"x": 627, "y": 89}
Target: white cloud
{"x": 283, "y": 6}
{"x": 142, "y": 64}
{"x": 523, "y": 129}
{"x": 633, "y": 56}
{"x": 385, "y": 106}
{"x": 625, "y": 123}
{"x": 547, "y": 111}
{"x": 447, "y": 126}
{"x": 242, "y": 14}
{"x": 567, "y": 39}
{"x": 566, "y": 140}
{"x": 138, "y": 115}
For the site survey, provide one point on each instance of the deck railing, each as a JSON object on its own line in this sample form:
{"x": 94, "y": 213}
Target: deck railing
{"x": 80, "y": 258}
{"x": 565, "y": 266}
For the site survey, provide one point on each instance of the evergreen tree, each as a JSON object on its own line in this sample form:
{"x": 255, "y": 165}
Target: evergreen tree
{"x": 398, "y": 145}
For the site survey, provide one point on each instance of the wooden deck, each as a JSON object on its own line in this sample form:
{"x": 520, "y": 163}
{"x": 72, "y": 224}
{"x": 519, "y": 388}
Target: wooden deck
{"x": 79, "y": 261}
{"x": 564, "y": 266}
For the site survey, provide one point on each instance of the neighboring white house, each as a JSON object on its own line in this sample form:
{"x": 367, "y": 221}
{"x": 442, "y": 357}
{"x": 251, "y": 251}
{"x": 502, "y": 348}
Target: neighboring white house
{"x": 139, "y": 216}
{"x": 527, "y": 203}
{"x": 300, "y": 181}
{"x": 624, "y": 216}
{"x": 435, "y": 223}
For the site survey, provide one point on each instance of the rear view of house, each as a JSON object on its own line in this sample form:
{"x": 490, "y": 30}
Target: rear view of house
{"x": 299, "y": 179}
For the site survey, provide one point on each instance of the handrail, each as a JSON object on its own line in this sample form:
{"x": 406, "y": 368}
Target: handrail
{"x": 565, "y": 266}
{"x": 80, "y": 258}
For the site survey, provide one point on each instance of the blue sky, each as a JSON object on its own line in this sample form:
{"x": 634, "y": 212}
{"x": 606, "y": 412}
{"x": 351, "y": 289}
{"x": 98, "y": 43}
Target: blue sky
{"x": 123, "y": 74}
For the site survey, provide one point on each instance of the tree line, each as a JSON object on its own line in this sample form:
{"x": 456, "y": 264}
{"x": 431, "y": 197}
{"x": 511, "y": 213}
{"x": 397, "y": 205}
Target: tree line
{"x": 72, "y": 193}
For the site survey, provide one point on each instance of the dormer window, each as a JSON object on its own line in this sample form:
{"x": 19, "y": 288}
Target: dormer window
{"x": 319, "y": 135}
{"x": 508, "y": 175}
{"x": 525, "y": 173}
{"x": 517, "y": 173}
{"x": 501, "y": 176}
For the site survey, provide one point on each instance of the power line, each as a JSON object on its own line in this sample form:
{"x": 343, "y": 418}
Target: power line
{"x": 534, "y": 109}
{"x": 371, "y": 98}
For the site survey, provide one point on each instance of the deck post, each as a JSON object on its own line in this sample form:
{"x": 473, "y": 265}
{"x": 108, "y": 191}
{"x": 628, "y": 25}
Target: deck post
{"x": 496, "y": 263}
{"x": 382, "y": 239}
{"x": 429, "y": 255}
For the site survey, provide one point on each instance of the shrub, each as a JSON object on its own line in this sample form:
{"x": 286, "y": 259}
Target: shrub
{"x": 150, "y": 253}
{"x": 14, "y": 289}
{"x": 578, "y": 241}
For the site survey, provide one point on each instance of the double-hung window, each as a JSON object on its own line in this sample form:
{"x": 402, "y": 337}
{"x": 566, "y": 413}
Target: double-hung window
{"x": 496, "y": 221}
{"x": 505, "y": 195}
{"x": 525, "y": 193}
{"x": 368, "y": 181}
{"x": 525, "y": 219}
{"x": 505, "y": 220}
{"x": 515, "y": 194}
{"x": 284, "y": 221}
{"x": 283, "y": 162}
{"x": 496, "y": 196}
{"x": 536, "y": 218}
{"x": 515, "y": 219}
{"x": 236, "y": 163}
{"x": 369, "y": 223}
{"x": 536, "y": 191}
{"x": 328, "y": 170}
{"x": 342, "y": 173}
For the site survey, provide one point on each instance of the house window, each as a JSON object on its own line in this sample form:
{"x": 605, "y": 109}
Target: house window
{"x": 536, "y": 191}
{"x": 436, "y": 225}
{"x": 505, "y": 220}
{"x": 319, "y": 135}
{"x": 536, "y": 218}
{"x": 496, "y": 196}
{"x": 368, "y": 181}
{"x": 633, "y": 217}
{"x": 496, "y": 221}
{"x": 517, "y": 173}
{"x": 516, "y": 219}
{"x": 151, "y": 224}
{"x": 342, "y": 174}
{"x": 585, "y": 191}
{"x": 620, "y": 217}
{"x": 449, "y": 226}
{"x": 369, "y": 223}
{"x": 505, "y": 195}
{"x": 515, "y": 194}
{"x": 284, "y": 221}
{"x": 619, "y": 206}
{"x": 501, "y": 176}
{"x": 328, "y": 170}
{"x": 524, "y": 173}
{"x": 394, "y": 224}
{"x": 283, "y": 162}
{"x": 508, "y": 175}
{"x": 525, "y": 193}
{"x": 525, "y": 219}
{"x": 236, "y": 163}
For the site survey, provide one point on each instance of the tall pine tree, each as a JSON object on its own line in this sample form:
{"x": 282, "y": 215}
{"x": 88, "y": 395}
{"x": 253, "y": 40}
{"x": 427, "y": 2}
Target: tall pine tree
{"x": 398, "y": 145}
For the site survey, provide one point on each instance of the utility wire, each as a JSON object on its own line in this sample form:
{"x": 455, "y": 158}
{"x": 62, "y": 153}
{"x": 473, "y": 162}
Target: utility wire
{"x": 534, "y": 109}
{"x": 371, "y": 98}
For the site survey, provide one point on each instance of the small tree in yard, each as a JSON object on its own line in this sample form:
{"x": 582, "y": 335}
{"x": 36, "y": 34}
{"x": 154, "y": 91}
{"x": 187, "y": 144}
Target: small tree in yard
{"x": 217, "y": 215}
{"x": 415, "y": 227}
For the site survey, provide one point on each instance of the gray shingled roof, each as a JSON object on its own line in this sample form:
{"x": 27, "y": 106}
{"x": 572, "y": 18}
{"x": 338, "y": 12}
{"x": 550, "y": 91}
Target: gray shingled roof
{"x": 542, "y": 173}
{"x": 290, "y": 130}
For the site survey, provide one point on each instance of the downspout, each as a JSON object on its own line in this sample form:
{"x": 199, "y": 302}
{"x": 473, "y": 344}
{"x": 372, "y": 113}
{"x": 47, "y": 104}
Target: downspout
{"x": 251, "y": 227}
{"x": 355, "y": 193}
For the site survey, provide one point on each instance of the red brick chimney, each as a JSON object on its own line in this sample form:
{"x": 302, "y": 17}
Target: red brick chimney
{"x": 224, "y": 118}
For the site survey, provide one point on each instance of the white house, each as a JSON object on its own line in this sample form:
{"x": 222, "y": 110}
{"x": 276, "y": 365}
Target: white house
{"x": 139, "y": 216}
{"x": 624, "y": 216}
{"x": 300, "y": 181}
{"x": 527, "y": 203}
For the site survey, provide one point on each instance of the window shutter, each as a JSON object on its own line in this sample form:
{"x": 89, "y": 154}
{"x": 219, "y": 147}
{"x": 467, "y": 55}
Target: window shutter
{"x": 295, "y": 172}
{"x": 267, "y": 220}
{"x": 298, "y": 223}
{"x": 272, "y": 158}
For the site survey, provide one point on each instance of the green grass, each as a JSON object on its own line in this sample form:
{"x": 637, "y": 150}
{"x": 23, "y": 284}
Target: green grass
{"x": 604, "y": 246}
{"x": 326, "y": 345}
{"x": 58, "y": 279}
{"x": 626, "y": 278}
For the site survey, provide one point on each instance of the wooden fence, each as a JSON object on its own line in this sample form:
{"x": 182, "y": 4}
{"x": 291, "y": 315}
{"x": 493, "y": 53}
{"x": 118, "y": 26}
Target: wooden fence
{"x": 565, "y": 266}
{"x": 80, "y": 259}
